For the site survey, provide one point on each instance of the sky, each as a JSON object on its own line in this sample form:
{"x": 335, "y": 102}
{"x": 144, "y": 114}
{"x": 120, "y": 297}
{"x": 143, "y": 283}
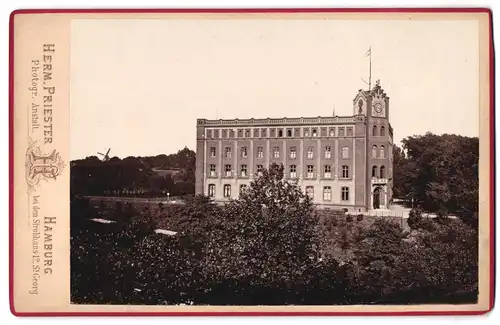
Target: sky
{"x": 138, "y": 85}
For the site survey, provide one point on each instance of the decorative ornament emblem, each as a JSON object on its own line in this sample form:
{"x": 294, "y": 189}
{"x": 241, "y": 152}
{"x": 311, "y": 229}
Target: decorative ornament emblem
{"x": 40, "y": 166}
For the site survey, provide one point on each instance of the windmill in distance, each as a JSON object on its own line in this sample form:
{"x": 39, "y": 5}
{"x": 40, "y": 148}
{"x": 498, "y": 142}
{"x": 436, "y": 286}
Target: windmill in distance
{"x": 105, "y": 157}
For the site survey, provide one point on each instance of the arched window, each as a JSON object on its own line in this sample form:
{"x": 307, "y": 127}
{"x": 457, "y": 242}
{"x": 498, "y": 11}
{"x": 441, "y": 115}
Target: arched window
{"x": 280, "y": 133}
{"x": 289, "y": 133}
{"x": 382, "y": 171}
{"x": 382, "y": 152}
{"x": 374, "y": 130}
{"x": 374, "y": 151}
{"x": 382, "y": 131}
{"x": 345, "y": 152}
{"x": 374, "y": 171}
{"x": 227, "y": 190}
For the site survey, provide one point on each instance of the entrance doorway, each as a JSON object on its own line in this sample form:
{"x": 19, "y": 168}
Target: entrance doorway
{"x": 376, "y": 198}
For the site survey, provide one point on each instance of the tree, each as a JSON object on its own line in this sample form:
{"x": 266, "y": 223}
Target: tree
{"x": 442, "y": 265}
{"x": 434, "y": 264}
{"x": 399, "y": 172}
{"x": 377, "y": 255}
{"x": 440, "y": 172}
{"x": 266, "y": 247}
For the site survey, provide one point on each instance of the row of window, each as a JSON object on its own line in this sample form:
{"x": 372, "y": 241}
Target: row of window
{"x": 381, "y": 152}
{"x": 311, "y": 173}
{"x": 376, "y": 173}
{"x": 327, "y": 192}
{"x": 259, "y": 153}
{"x": 281, "y": 132}
{"x": 290, "y": 132}
{"x": 378, "y": 131}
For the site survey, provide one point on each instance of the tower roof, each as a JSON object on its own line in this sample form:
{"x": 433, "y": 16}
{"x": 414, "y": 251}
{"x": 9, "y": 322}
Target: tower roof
{"x": 377, "y": 91}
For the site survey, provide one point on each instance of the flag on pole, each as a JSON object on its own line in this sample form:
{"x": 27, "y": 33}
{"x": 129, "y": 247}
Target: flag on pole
{"x": 369, "y": 52}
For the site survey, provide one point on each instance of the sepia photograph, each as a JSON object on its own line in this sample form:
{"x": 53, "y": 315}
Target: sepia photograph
{"x": 252, "y": 162}
{"x": 274, "y": 162}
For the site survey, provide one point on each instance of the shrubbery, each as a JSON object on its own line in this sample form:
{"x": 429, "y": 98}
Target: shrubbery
{"x": 267, "y": 248}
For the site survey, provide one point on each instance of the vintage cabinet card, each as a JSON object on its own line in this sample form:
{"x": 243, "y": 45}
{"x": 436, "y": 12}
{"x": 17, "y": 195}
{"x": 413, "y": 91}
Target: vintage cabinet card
{"x": 249, "y": 162}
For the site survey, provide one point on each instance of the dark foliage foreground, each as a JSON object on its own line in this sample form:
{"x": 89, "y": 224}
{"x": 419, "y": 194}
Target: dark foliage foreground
{"x": 268, "y": 248}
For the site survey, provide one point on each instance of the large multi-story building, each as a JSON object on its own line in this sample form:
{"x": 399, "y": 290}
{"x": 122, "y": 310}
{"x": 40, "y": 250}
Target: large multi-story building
{"x": 341, "y": 162}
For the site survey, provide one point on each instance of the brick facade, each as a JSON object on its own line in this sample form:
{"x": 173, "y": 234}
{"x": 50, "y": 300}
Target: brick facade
{"x": 342, "y": 162}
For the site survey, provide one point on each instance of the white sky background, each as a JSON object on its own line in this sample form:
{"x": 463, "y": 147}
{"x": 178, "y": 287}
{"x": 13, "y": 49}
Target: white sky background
{"x": 138, "y": 86}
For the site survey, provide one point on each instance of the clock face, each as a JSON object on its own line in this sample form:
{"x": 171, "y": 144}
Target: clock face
{"x": 378, "y": 108}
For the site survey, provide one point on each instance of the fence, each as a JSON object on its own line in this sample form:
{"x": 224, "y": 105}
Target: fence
{"x": 398, "y": 217}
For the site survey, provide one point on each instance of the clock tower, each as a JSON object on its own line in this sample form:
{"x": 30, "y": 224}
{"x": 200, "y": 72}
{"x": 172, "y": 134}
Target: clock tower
{"x": 372, "y": 104}
{"x": 379, "y": 102}
{"x": 379, "y": 142}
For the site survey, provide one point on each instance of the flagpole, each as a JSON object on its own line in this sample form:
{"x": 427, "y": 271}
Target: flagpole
{"x": 369, "y": 53}
{"x": 370, "y": 76}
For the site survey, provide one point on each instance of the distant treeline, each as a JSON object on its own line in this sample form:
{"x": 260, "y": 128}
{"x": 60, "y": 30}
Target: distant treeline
{"x": 135, "y": 176}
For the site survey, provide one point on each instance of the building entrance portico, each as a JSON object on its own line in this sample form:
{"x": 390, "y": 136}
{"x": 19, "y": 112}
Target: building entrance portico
{"x": 379, "y": 198}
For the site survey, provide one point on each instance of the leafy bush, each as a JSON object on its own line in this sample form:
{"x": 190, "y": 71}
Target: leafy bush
{"x": 415, "y": 218}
